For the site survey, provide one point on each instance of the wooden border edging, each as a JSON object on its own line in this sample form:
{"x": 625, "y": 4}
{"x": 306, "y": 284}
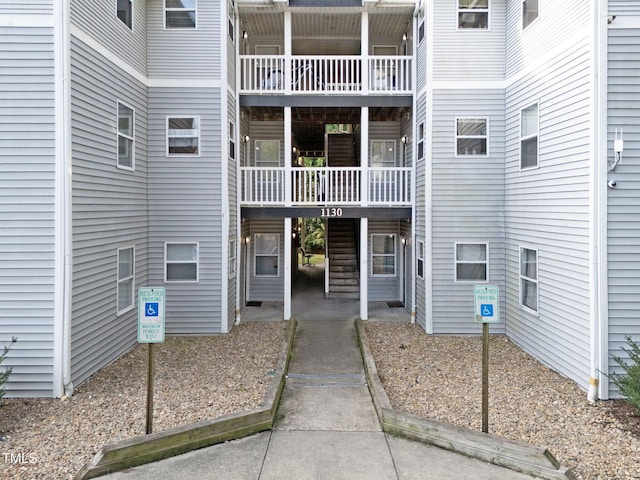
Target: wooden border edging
{"x": 521, "y": 457}
{"x": 158, "y": 446}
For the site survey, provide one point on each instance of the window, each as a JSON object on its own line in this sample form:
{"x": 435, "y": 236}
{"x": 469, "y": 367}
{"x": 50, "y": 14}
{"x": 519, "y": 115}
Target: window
{"x": 181, "y": 262}
{"x": 471, "y": 136}
{"x": 420, "y": 259}
{"x": 124, "y": 11}
{"x": 183, "y": 136}
{"x": 471, "y": 262}
{"x": 232, "y": 141}
{"x": 529, "y": 12}
{"x": 421, "y": 22}
{"x": 383, "y": 255}
{"x": 529, "y": 137}
{"x": 126, "y": 137}
{"x": 232, "y": 258}
{"x": 421, "y": 141}
{"x": 126, "y": 274}
{"x": 267, "y": 254}
{"x": 529, "y": 279}
{"x": 383, "y": 153}
{"x": 180, "y": 14}
{"x": 267, "y": 153}
{"x": 232, "y": 20}
{"x": 473, "y": 14}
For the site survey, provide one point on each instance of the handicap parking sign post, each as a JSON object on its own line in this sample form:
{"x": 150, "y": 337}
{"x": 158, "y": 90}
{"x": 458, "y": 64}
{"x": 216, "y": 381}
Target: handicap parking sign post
{"x": 487, "y": 310}
{"x": 150, "y": 331}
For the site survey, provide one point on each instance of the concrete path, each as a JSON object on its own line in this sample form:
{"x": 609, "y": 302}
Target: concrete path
{"x": 326, "y": 426}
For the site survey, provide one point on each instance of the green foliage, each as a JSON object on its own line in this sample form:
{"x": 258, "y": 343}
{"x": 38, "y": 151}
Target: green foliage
{"x": 314, "y": 235}
{"x": 629, "y": 384}
{"x": 4, "y": 376}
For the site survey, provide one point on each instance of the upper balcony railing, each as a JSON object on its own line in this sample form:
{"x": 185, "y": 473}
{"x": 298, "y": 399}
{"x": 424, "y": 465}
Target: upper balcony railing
{"x": 326, "y": 186}
{"x": 322, "y": 74}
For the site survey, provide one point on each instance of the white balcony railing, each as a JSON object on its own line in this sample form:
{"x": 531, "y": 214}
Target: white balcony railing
{"x": 326, "y": 186}
{"x": 323, "y": 74}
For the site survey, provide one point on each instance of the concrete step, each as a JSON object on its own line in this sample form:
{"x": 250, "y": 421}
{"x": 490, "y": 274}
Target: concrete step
{"x": 346, "y": 295}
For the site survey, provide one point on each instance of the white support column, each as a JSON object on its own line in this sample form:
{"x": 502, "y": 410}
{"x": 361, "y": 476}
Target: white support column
{"x": 287, "y": 268}
{"x": 364, "y": 156}
{"x": 364, "y": 269}
{"x": 287, "y": 157}
{"x": 287, "y": 53}
{"x": 364, "y": 52}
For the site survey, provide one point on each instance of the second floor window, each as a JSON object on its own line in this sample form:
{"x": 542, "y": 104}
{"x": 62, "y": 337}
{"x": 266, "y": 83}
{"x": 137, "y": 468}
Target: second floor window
{"x": 124, "y": 11}
{"x": 529, "y": 12}
{"x": 126, "y": 139}
{"x": 473, "y": 14}
{"x": 529, "y": 137}
{"x": 183, "y": 136}
{"x": 180, "y": 14}
{"x": 471, "y": 136}
{"x": 383, "y": 153}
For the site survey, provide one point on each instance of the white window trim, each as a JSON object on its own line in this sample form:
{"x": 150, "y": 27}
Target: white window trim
{"x": 132, "y": 168}
{"x": 164, "y": 16}
{"x": 231, "y": 20}
{"x": 256, "y": 255}
{"x": 257, "y": 145}
{"x": 420, "y": 142}
{"x": 198, "y": 136}
{"x": 473, "y": 10}
{"x": 383, "y": 141}
{"x": 486, "y": 137}
{"x": 132, "y": 16}
{"x": 232, "y": 258}
{"x": 421, "y": 22}
{"x": 131, "y": 277}
{"x": 420, "y": 258}
{"x": 522, "y": 26}
{"x": 232, "y": 140}
{"x": 394, "y": 255}
{"x": 521, "y": 138}
{"x": 197, "y": 262}
{"x": 522, "y": 277}
{"x": 456, "y": 262}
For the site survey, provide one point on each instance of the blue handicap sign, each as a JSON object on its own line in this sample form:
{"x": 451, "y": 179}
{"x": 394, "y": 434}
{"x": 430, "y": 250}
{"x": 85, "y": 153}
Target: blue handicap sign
{"x": 151, "y": 309}
{"x": 486, "y": 310}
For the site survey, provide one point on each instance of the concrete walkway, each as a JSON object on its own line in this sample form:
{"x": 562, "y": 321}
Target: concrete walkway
{"x": 326, "y": 426}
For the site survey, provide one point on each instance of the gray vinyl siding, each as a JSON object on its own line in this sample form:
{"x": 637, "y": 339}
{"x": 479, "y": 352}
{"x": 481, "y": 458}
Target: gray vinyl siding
{"x": 191, "y": 53}
{"x": 423, "y": 188}
{"x": 26, "y": 7}
{"x": 98, "y": 19}
{"x": 384, "y": 288}
{"x": 624, "y": 201}
{"x": 109, "y": 209}
{"x": 185, "y": 205}
{"x": 27, "y": 216}
{"x": 468, "y": 199}
{"x": 232, "y": 199}
{"x": 266, "y": 288}
{"x": 548, "y": 208}
{"x": 558, "y": 22}
{"x": 624, "y": 7}
{"x": 453, "y": 59}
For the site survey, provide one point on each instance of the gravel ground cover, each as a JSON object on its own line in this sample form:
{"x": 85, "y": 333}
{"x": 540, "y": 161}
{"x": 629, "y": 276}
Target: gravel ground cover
{"x": 440, "y": 377}
{"x": 196, "y": 378}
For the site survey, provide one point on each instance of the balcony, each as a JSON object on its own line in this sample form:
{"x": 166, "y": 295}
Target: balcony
{"x": 326, "y": 186}
{"x": 325, "y": 74}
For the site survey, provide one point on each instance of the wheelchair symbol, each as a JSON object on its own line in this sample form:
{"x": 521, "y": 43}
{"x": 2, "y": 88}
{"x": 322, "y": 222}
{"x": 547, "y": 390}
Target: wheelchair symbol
{"x": 151, "y": 309}
{"x": 486, "y": 310}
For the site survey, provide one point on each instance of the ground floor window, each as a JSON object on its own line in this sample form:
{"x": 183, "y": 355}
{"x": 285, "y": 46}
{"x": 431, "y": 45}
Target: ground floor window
{"x": 383, "y": 255}
{"x": 267, "y": 254}
{"x": 529, "y": 279}
{"x": 232, "y": 258}
{"x": 471, "y": 262}
{"x": 420, "y": 259}
{"x": 126, "y": 274}
{"x": 181, "y": 262}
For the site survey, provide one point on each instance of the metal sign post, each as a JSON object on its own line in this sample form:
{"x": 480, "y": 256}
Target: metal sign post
{"x": 487, "y": 310}
{"x": 150, "y": 330}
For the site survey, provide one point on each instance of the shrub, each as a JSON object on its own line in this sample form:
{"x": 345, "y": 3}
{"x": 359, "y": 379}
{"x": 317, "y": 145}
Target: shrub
{"x": 4, "y": 376}
{"x": 629, "y": 384}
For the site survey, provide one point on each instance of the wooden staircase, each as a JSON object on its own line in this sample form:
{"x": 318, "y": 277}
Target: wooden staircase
{"x": 340, "y": 151}
{"x": 343, "y": 260}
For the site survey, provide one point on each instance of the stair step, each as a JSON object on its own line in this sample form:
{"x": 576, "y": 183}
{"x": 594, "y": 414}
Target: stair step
{"x": 342, "y": 282}
{"x": 346, "y": 295}
{"x": 343, "y": 274}
{"x": 343, "y": 269}
{"x": 344, "y": 288}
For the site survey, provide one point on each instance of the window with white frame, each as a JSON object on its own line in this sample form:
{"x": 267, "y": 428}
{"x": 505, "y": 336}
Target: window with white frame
{"x": 471, "y": 136}
{"x": 421, "y": 17}
{"x": 420, "y": 259}
{"x": 267, "y": 254}
{"x": 529, "y": 137}
{"x": 529, "y": 279}
{"x": 383, "y": 153}
{"x": 125, "y": 295}
{"x": 183, "y": 136}
{"x": 180, "y": 13}
{"x": 421, "y": 140}
{"x": 383, "y": 255}
{"x": 232, "y": 141}
{"x": 530, "y": 11}
{"x": 473, "y": 14}
{"x": 471, "y": 262}
{"x": 124, "y": 11}
{"x": 232, "y": 20}
{"x": 232, "y": 258}
{"x": 126, "y": 137}
{"x": 267, "y": 153}
{"x": 181, "y": 262}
